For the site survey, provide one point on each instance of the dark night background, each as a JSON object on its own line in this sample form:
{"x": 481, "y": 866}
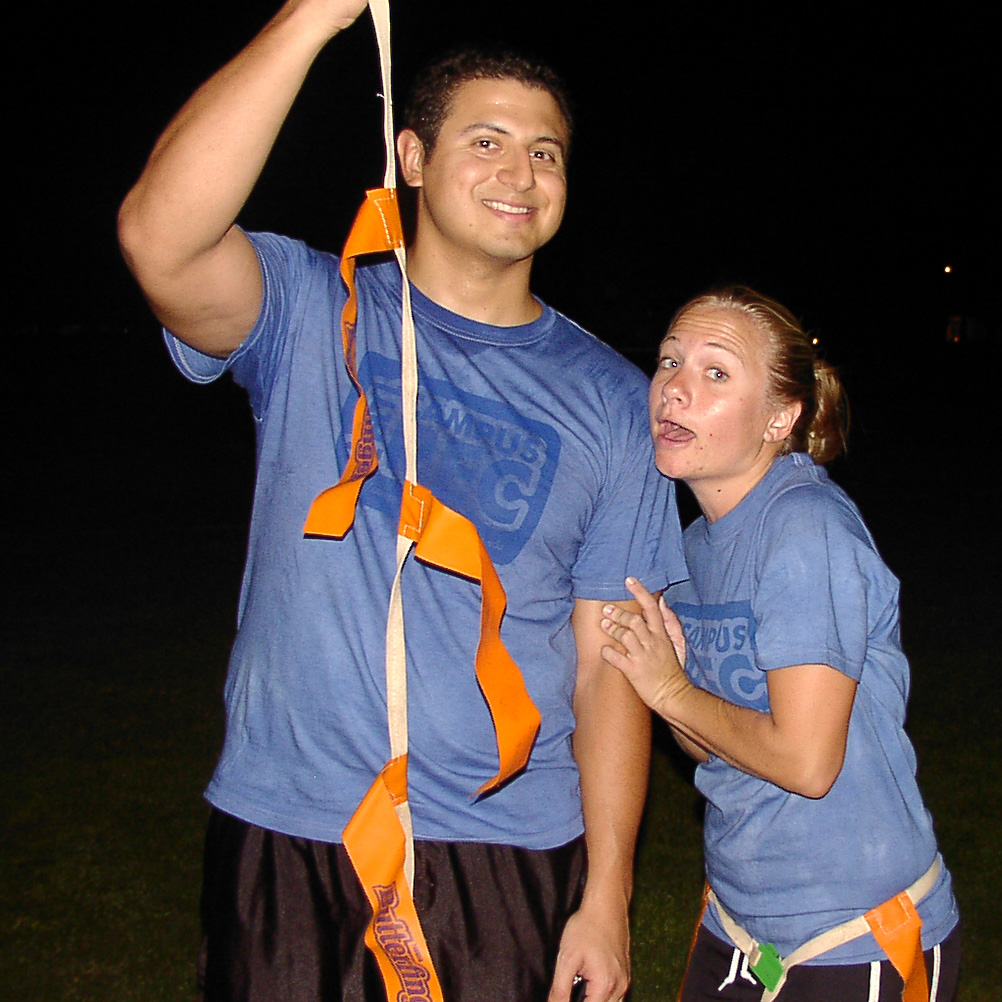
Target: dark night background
{"x": 836, "y": 156}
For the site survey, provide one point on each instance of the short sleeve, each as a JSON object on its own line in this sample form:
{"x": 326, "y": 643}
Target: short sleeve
{"x": 634, "y": 528}
{"x": 813, "y": 581}
{"x": 286, "y": 272}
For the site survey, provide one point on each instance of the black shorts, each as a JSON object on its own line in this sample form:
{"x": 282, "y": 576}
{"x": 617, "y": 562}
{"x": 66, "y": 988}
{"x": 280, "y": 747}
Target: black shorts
{"x": 717, "y": 972}
{"x": 284, "y": 918}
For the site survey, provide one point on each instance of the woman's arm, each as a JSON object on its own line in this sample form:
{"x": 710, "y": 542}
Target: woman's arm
{"x": 798, "y": 745}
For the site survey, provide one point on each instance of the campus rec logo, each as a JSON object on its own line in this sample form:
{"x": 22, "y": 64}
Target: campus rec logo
{"x": 720, "y": 640}
{"x": 394, "y": 936}
{"x": 480, "y": 456}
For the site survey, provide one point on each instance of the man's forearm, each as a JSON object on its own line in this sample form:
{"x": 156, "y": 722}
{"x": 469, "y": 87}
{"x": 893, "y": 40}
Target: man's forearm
{"x": 612, "y": 746}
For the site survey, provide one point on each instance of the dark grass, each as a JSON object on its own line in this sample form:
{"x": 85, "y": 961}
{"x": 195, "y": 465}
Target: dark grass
{"x": 112, "y": 671}
{"x": 111, "y": 721}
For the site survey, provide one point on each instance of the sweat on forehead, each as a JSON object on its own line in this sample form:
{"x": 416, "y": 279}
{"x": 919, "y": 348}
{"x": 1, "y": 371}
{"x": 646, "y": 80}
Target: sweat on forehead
{"x": 435, "y": 87}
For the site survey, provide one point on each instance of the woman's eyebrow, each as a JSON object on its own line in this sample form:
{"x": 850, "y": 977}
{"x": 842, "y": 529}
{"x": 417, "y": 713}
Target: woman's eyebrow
{"x": 730, "y": 349}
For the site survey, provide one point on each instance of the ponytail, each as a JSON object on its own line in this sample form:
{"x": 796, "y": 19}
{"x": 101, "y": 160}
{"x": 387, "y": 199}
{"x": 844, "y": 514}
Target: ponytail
{"x": 825, "y": 434}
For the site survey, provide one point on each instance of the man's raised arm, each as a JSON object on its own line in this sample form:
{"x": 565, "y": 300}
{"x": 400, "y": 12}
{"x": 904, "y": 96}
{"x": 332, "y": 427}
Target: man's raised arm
{"x": 176, "y": 226}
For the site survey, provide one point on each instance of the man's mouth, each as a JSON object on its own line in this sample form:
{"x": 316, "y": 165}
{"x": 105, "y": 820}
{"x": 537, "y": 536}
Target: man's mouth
{"x": 521, "y": 210}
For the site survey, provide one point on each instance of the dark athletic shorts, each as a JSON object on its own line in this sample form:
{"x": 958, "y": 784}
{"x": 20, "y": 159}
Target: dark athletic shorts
{"x": 715, "y": 975}
{"x": 284, "y": 918}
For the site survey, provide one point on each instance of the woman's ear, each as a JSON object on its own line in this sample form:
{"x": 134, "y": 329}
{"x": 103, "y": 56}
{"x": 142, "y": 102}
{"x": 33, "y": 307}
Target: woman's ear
{"x": 410, "y": 152}
{"x": 782, "y": 422}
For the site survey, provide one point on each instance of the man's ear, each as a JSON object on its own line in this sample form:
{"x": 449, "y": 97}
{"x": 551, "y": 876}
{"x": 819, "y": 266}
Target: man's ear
{"x": 410, "y": 153}
{"x": 782, "y": 422}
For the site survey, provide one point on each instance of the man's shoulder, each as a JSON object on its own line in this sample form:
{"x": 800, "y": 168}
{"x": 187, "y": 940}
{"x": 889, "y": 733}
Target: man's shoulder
{"x": 284, "y": 253}
{"x": 592, "y": 356}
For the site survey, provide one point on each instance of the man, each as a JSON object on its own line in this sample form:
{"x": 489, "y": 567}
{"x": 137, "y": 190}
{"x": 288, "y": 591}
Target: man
{"x": 529, "y": 427}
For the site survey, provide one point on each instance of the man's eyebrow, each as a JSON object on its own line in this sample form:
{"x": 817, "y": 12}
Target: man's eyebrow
{"x": 500, "y": 130}
{"x": 490, "y": 126}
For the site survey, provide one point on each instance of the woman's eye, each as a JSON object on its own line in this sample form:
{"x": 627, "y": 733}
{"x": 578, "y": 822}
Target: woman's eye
{"x": 667, "y": 363}
{"x": 717, "y": 375}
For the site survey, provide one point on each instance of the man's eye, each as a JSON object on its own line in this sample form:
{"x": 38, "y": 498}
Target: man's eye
{"x": 542, "y": 155}
{"x": 667, "y": 363}
{"x": 717, "y": 375}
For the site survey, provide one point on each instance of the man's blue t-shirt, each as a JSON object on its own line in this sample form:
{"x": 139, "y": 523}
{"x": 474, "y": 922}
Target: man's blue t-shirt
{"x": 538, "y": 434}
{"x": 789, "y": 577}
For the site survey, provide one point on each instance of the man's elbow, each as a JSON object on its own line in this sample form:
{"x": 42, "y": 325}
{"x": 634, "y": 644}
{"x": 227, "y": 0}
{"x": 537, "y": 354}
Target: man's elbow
{"x": 134, "y": 240}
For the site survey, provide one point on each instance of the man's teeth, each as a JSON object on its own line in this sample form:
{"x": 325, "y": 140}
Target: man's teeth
{"x": 505, "y": 207}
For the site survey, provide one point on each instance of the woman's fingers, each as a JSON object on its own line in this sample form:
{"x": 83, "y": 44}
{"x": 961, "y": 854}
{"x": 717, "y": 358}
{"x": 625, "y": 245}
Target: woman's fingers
{"x": 622, "y": 625}
{"x": 647, "y": 602}
{"x": 673, "y": 627}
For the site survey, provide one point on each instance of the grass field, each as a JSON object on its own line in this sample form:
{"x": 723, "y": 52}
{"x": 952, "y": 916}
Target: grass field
{"x": 111, "y": 679}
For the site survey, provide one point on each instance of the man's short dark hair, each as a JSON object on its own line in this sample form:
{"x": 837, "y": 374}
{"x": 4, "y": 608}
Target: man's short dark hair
{"x": 435, "y": 86}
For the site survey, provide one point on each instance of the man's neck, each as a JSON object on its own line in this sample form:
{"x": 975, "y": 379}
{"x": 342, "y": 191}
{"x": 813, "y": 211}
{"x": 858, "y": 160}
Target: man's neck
{"x": 481, "y": 289}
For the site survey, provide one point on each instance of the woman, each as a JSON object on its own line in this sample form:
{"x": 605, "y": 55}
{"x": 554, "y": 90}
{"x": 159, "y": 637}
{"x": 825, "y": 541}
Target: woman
{"x": 793, "y": 695}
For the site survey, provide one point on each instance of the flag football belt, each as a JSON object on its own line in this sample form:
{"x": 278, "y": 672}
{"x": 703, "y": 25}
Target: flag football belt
{"x": 895, "y": 925}
{"x": 379, "y": 837}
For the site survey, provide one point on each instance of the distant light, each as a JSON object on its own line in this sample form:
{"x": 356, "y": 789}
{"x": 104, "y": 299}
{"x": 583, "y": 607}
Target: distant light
{"x": 814, "y": 340}
{"x": 948, "y": 269}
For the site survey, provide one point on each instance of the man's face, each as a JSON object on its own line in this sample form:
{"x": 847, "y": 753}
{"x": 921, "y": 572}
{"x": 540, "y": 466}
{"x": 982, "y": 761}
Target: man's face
{"x": 495, "y": 185}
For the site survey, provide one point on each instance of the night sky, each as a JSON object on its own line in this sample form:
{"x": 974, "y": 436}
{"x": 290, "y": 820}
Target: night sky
{"x": 837, "y": 157}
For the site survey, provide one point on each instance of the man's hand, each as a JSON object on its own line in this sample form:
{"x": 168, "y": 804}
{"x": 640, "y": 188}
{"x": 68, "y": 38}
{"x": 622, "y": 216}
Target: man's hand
{"x": 596, "y": 948}
{"x": 339, "y": 13}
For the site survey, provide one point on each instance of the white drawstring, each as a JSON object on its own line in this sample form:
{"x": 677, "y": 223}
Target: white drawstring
{"x": 934, "y": 987}
{"x": 732, "y": 974}
{"x": 874, "y": 995}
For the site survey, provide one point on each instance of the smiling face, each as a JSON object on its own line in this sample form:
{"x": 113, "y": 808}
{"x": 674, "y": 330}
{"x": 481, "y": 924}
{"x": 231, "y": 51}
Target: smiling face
{"x": 714, "y": 421}
{"x": 493, "y": 191}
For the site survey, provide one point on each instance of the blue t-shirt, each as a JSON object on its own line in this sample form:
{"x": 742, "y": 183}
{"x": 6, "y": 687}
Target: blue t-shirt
{"x": 539, "y": 435}
{"x": 791, "y": 576}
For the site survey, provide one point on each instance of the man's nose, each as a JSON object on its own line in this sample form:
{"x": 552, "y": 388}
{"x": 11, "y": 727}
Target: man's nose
{"x": 516, "y": 171}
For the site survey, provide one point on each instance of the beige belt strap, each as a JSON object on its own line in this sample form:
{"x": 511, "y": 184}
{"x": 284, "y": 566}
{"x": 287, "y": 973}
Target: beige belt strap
{"x": 379, "y": 837}
{"x": 839, "y": 936}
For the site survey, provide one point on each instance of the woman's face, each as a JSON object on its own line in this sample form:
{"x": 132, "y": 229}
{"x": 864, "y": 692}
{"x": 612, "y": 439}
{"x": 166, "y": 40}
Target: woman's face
{"x": 714, "y": 423}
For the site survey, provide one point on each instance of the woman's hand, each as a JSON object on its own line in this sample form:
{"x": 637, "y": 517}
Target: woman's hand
{"x": 673, "y": 627}
{"x": 650, "y": 648}
{"x": 798, "y": 744}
